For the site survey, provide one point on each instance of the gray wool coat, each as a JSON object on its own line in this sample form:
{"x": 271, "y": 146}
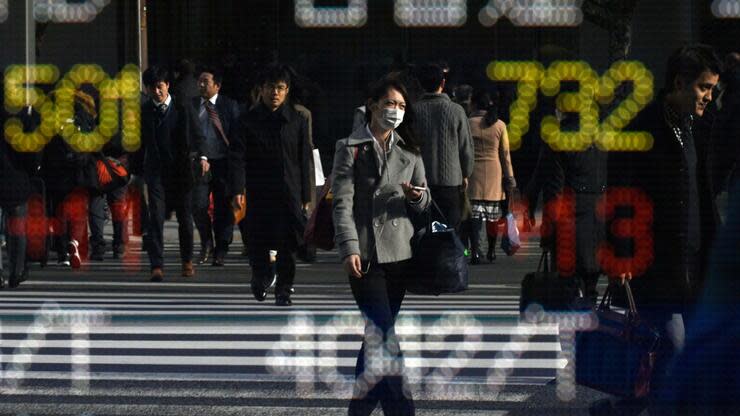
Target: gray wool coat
{"x": 370, "y": 210}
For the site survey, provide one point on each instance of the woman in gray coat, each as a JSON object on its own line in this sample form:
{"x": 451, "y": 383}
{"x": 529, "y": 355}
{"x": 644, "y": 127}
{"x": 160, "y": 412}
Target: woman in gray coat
{"x": 378, "y": 177}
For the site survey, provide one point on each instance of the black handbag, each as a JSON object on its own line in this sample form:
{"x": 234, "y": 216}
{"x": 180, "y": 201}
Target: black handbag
{"x": 438, "y": 264}
{"x": 617, "y": 357}
{"x": 549, "y": 290}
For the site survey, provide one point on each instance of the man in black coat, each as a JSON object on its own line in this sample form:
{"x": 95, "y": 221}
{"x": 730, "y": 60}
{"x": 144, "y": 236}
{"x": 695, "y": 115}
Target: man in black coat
{"x": 169, "y": 136}
{"x": 270, "y": 160}
{"x": 674, "y": 176}
{"x": 218, "y": 118}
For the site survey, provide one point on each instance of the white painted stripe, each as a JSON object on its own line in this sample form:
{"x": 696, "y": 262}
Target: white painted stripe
{"x": 242, "y": 329}
{"x": 287, "y": 345}
{"x": 244, "y": 295}
{"x": 300, "y": 362}
{"x": 342, "y": 393}
{"x": 125, "y": 409}
{"x": 271, "y": 378}
{"x": 261, "y": 312}
{"x": 254, "y": 305}
{"x": 183, "y": 282}
{"x": 187, "y": 302}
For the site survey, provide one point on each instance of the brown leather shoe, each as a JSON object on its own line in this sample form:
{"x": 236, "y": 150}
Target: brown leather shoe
{"x": 157, "y": 275}
{"x": 187, "y": 269}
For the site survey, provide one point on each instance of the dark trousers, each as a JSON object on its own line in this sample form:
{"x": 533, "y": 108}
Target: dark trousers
{"x": 158, "y": 197}
{"x": 449, "y": 201}
{"x": 379, "y": 294}
{"x": 70, "y": 211}
{"x": 15, "y": 232}
{"x": 118, "y": 208}
{"x": 259, "y": 258}
{"x": 222, "y": 227}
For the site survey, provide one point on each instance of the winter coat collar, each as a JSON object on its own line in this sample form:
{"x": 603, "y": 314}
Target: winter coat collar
{"x": 434, "y": 96}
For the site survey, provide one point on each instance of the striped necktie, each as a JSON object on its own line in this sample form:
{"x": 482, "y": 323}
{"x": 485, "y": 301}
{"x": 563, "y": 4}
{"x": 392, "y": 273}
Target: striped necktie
{"x": 216, "y": 121}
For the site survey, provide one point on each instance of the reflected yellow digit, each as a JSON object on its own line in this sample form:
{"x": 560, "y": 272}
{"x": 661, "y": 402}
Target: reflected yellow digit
{"x": 581, "y": 102}
{"x": 528, "y": 76}
{"x": 18, "y": 95}
{"x": 107, "y": 126}
{"x": 611, "y": 137}
{"x": 128, "y": 87}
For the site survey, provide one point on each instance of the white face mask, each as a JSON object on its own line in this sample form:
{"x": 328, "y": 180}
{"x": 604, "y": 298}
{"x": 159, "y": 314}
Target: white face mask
{"x": 390, "y": 118}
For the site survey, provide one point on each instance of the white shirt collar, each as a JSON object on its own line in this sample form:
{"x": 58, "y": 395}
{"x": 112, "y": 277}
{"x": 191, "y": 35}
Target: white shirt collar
{"x": 378, "y": 144}
{"x": 167, "y": 101}
{"x": 212, "y": 100}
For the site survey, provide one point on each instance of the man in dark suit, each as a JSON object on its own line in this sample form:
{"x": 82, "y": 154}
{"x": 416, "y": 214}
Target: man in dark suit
{"x": 217, "y": 118}
{"x": 270, "y": 160}
{"x": 169, "y": 137}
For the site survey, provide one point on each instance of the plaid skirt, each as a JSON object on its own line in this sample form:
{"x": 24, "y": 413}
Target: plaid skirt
{"x": 487, "y": 210}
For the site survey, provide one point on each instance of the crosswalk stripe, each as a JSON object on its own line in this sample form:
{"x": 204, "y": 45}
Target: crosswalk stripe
{"x": 279, "y": 361}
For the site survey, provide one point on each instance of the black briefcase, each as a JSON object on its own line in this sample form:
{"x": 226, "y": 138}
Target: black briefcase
{"x": 618, "y": 357}
{"x": 549, "y": 290}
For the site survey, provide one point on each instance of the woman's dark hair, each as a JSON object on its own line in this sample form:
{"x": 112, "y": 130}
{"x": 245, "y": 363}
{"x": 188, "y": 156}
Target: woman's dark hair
{"x": 378, "y": 91}
{"x": 482, "y": 101}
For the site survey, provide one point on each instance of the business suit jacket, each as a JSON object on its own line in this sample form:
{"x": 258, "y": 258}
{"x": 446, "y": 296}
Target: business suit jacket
{"x": 492, "y": 160}
{"x": 168, "y": 144}
{"x": 270, "y": 159}
{"x": 228, "y": 113}
{"x": 370, "y": 209}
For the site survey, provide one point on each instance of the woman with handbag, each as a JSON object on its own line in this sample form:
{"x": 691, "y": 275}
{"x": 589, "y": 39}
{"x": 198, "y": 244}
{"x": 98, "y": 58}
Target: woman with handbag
{"x": 492, "y": 178}
{"x": 378, "y": 177}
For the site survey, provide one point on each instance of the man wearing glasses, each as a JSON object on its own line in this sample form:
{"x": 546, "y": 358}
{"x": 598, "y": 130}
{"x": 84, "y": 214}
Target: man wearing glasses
{"x": 270, "y": 161}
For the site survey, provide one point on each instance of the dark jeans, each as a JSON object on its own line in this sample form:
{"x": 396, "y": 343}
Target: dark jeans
{"x": 15, "y": 233}
{"x": 449, "y": 200}
{"x": 223, "y": 217}
{"x": 379, "y": 294}
{"x": 117, "y": 204}
{"x": 158, "y": 197}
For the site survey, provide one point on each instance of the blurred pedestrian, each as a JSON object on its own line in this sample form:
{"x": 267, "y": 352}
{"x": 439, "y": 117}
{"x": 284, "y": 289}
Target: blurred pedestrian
{"x": 492, "y": 179}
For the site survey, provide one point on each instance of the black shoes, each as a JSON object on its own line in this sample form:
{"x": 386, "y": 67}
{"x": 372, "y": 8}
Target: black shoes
{"x": 119, "y": 251}
{"x": 283, "y": 300}
{"x": 475, "y": 258}
{"x": 205, "y": 253}
{"x": 258, "y": 291}
{"x": 14, "y": 280}
{"x": 218, "y": 261}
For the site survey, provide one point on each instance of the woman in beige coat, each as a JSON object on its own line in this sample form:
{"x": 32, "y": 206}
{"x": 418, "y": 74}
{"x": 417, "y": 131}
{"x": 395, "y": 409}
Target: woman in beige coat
{"x": 493, "y": 176}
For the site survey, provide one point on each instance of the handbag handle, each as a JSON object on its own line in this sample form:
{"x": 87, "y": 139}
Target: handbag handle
{"x": 544, "y": 260}
{"x": 608, "y": 295}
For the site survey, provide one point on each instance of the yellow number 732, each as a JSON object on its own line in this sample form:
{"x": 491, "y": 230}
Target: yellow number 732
{"x": 607, "y": 133}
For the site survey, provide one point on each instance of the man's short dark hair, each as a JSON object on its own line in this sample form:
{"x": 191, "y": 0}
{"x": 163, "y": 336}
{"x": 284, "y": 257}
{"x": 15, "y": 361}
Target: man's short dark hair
{"x": 689, "y": 62}
{"x": 430, "y": 77}
{"x": 218, "y": 75}
{"x": 154, "y": 75}
{"x": 276, "y": 72}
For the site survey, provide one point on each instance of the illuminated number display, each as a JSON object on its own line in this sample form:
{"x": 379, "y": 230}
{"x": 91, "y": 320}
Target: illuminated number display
{"x": 726, "y": 9}
{"x": 528, "y": 76}
{"x": 638, "y": 229}
{"x": 55, "y": 114}
{"x": 60, "y": 11}
{"x": 430, "y": 13}
{"x": 607, "y": 135}
{"x": 532, "y": 12}
{"x": 3, "y": 10}
{"x": 308, "y": 15}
